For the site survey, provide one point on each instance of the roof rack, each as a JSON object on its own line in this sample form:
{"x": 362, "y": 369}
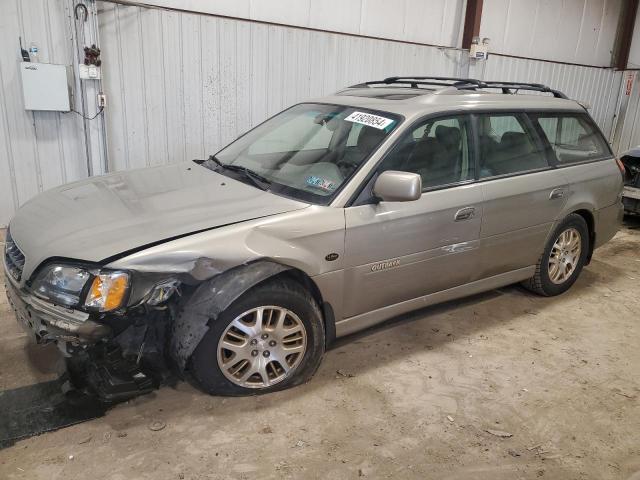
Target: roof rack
{"x": 415, "y": 81}
{"x": 463, "y": 84}
{"x": 513, "y": 87}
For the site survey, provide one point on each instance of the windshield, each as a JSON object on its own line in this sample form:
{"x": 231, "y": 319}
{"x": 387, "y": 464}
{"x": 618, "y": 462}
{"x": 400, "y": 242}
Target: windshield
{"x": 306, "y": 152}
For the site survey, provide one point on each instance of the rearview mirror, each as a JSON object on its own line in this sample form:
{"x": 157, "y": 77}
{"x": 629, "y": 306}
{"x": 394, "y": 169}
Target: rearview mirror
{"x": 394, "y": 186}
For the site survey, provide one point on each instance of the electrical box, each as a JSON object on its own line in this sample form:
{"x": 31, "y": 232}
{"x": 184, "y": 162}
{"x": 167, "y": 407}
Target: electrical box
{"x": 46, "y": 86}
{"x": 479, "y": 51}
{"x": 89, "y": 72}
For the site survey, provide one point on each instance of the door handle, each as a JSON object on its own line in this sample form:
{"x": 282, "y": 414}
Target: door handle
{"x": 466, "y": 213}
{"x": 556, "y": 193}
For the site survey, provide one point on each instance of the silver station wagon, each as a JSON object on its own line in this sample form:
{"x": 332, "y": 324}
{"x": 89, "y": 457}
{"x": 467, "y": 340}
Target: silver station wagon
{"x": 330, "y": 217}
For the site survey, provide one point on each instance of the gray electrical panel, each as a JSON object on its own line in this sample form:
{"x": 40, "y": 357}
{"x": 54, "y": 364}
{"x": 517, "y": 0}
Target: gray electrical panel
{"x": 46, "y": 86}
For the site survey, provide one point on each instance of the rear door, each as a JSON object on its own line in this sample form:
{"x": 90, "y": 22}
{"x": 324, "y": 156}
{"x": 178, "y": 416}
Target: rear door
{"x": 523, "y": 192}
{"x": 398, "y": 251}
{"x": 577, "y": 146}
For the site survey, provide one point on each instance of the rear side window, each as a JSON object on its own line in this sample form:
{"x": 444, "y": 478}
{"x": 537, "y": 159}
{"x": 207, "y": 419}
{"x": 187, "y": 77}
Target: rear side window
{"x": 508, "y": 145}
{"x": 572, "y": 137}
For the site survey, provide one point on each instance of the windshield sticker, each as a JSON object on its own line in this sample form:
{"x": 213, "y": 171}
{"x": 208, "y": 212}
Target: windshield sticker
{"x": 321, "y": 183}
{"x": 370, "y": 120}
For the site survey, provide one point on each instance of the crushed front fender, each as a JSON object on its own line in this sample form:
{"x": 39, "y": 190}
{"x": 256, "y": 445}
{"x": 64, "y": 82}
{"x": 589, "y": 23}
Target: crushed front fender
{"x": 209, "y": 300}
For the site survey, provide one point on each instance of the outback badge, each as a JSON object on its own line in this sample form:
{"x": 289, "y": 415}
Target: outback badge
{"x": 384, "y": 265}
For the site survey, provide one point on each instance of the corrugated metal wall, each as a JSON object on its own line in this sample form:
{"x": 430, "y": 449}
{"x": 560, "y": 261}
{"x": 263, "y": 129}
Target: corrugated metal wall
{"x": 629, "y": 130}
{"x": 183, "y": 85}
{"x": 38, "y": 150}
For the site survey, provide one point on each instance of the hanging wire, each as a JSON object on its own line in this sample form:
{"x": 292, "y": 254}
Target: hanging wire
{"x": 100, "y": 110}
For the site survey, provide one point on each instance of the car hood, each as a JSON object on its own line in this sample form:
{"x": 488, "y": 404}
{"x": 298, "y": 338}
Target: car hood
{"x": 104, "y": 216}
{"x": 634, "y": 152}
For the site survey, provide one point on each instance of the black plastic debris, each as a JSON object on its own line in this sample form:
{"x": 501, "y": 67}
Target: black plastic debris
{"x": 114, "y": 379}
{"x": 43, "y": 407}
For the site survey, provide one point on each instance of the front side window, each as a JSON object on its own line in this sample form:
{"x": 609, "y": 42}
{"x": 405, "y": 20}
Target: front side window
{"x": 572, "y": 137}
{"x": 437, "y": 150}
{"x": 306, "y": 152}
{"x": 507, "y": 145}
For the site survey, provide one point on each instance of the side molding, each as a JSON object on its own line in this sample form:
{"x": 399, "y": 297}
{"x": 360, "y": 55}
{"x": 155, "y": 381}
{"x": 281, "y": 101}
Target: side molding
{"x": 366, "y": 320}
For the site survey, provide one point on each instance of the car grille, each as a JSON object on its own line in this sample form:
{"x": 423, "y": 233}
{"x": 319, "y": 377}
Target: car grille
{"x": 13, "y": 257}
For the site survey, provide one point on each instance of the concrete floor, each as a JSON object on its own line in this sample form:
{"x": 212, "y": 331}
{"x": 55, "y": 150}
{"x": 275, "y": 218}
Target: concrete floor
{"x": 411, "y": 399}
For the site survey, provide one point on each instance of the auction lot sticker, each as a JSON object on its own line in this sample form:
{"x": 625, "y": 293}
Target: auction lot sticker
{"x": 369, "y": 120}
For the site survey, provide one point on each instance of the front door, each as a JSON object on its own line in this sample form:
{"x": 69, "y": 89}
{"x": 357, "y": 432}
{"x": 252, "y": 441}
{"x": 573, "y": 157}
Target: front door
{"x": 398, "y": 251}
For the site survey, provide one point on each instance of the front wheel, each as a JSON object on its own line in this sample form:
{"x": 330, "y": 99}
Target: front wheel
{"x": 270, "y": 339}
{"x": 563, "y": 258}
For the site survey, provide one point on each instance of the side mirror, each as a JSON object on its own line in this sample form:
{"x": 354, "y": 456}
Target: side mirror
{"x": 394, "y": 186}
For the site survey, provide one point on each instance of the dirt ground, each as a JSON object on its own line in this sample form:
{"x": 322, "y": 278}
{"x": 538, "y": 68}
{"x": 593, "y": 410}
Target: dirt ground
{"x": 412, "y": 399}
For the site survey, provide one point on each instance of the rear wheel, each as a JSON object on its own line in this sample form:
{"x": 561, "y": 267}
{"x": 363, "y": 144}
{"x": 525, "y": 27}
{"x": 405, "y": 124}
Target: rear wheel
{"x": 270, "y": 339}
{"x": 563, "y": 258}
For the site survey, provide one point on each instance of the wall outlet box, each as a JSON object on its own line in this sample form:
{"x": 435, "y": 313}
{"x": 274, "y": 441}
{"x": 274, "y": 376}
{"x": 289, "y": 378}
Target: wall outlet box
{"x": 479, "y": 51}
{"x": 46, "y": 86}
{"x": 89, "y": 72}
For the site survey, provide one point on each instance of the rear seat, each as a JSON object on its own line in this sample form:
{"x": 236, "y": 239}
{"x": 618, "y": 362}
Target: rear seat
{"x": 514, "y": 153}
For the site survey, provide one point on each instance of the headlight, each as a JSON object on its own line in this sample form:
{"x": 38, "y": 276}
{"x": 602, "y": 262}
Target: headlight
{"x": 66, "y": 284}
{"x": 61, "y": 285}
{"x": 107, "y": 291}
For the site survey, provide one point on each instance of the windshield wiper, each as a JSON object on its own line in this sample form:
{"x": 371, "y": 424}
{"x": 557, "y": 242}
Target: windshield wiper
{"x": 258, "y": 180}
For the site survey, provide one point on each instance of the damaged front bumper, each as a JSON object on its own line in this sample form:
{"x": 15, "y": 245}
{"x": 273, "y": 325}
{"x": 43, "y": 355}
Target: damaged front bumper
{"x": 114, "y": 363}
{"x": 45, "y": 322}
{"x": 631, "y": 199}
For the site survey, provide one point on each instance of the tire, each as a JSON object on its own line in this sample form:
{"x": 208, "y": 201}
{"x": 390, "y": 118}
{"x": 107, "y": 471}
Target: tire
{"x": 271, "y": 298}
{"x": 542, "y": 282}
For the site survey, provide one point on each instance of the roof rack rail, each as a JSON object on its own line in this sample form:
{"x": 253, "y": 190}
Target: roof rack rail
{"x": 513, "y": 87}
{"x": 463, "y": 84}
{"x": 415, "y": 81}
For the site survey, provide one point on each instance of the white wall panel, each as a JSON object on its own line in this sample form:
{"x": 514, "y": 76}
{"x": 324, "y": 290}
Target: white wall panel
{"x": 434, "y": 22}
{"x": 336, "y": 15}
{"x": 382, "y": 18}
{"x": 421, "y": 22}
{"x": 634, "y": 53}
{"x": 38, "y": 150}
{"x": 288, "y": 12}
{"x": 575, "y": 31}
{"x": 229, "y": 8}
{"x": 214, "y": 78}
{"x": 154, "y": 85}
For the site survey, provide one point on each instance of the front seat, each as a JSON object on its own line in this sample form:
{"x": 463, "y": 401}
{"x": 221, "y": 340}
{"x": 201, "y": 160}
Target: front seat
{"x": 368, "y": 139}
{"x": 444, "y": 163}
{"x": 426, "y": 153}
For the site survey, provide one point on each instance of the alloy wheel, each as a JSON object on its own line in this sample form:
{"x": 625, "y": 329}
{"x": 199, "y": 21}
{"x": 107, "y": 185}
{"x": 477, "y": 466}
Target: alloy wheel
{"x": 565, "y": 255}
{"x": 262, "y": 347}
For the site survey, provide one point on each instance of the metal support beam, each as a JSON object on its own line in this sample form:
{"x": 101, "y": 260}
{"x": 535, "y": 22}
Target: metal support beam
{"x": 472, "y": 22}
{"x": 626, "y": 24}
{"x": 84, "y": 32}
